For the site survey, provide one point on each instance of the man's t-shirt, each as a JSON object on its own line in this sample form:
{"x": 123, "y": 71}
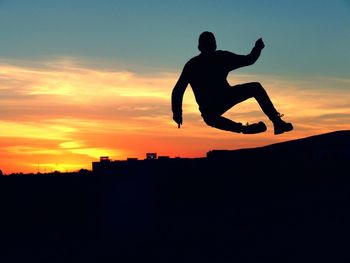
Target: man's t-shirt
{"x": 207, "y": 75}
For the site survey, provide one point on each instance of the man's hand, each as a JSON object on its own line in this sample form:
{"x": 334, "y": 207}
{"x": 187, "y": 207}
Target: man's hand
{"x": 260, "y": 44}
{"x": 178, "y": 119}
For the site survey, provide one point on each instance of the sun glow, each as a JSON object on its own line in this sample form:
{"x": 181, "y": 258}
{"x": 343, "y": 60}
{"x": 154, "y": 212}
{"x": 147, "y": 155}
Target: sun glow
{"x": 65, "y": 116}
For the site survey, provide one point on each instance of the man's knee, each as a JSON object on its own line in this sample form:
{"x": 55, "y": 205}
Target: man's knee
{"x": 210, "y": 120}
{"x": 256, "y": 88}
{"x": 257, "y": 85}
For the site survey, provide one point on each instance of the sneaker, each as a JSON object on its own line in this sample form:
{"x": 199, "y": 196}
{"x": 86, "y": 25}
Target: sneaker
{"x": 254, "y": 128}
{"x": 281, "y": 126}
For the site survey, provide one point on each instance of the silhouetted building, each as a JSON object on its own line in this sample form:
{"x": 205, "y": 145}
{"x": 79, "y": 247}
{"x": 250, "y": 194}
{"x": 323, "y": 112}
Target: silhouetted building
{"x": 1, "y": 173}
{"x": 152, "y": 163}
{"x": 163, "y": 157}
{"x": 331, "y": 149}
{"x": 151, "y": 156}
{"x": 104, "y": 159}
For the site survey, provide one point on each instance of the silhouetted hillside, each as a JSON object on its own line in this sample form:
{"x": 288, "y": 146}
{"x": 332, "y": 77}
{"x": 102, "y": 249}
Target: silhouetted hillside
{"x": 334, "y": 145}
{"x": 287, "y": 202}
{"x": 319, "y": 154}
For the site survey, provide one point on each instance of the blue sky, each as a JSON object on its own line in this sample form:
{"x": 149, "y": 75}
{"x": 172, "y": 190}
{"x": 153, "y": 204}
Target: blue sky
{"x": 302, "y": 37}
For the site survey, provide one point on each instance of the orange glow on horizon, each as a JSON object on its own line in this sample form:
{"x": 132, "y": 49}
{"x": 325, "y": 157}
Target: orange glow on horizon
{"x": 64, "y": 117}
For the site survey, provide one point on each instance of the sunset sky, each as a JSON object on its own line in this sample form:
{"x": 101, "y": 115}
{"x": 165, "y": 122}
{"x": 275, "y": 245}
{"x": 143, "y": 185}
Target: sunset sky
{"x": 88, "y": 78}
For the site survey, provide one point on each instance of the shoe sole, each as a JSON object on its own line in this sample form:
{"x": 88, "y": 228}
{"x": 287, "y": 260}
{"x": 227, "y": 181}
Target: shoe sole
{"x": 283, "y": 131}
{"x": 263, "y": 129}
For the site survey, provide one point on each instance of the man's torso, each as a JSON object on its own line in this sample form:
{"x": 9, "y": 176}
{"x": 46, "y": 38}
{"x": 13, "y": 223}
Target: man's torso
{"x": 207, "y": 75}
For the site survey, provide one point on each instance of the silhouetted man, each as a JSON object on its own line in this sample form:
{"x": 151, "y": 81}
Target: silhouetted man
{"x": 207, "y": 73}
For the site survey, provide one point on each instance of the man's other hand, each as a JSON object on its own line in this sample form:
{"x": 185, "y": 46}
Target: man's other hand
{"x": 178, "y": 119}
{"x": 260, "y": 43}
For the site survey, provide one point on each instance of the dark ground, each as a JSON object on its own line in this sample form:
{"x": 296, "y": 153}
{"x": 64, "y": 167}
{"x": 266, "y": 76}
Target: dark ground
{"x": 263, "y": 207}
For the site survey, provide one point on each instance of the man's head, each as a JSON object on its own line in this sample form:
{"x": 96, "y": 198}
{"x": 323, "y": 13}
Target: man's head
{"x": 207, "y": 42}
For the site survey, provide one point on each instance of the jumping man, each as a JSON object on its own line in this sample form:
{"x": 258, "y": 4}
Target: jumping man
{"x": 207, "y": 73}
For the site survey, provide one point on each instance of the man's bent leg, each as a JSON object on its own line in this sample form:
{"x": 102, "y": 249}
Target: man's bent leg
{"x": 222, "y": 123}
{"x": 255, "y": 90}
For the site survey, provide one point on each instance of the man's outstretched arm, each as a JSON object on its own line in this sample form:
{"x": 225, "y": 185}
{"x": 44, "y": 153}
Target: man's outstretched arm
{"x": 242, "y": 61}
{"x": 176, "y": 98}
{"x": 255, "y": 53}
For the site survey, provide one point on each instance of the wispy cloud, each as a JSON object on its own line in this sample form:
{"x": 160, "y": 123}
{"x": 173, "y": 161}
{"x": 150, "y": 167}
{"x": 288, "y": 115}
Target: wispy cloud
{"x": 70, "y": 114}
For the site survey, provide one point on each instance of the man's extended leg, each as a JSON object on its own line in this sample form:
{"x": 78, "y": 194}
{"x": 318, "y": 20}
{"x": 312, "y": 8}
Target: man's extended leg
{"x": 255, "y": 90}
{"x": 223, "y": 123}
